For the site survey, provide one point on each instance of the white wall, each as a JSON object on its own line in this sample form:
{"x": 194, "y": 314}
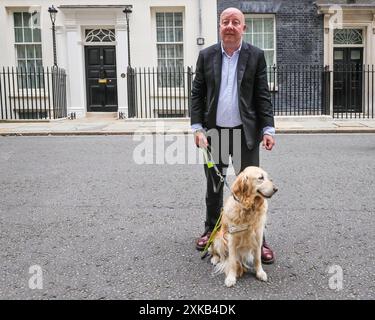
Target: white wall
{"x": 70, "y": 25}
{"x": 142, "y": 31}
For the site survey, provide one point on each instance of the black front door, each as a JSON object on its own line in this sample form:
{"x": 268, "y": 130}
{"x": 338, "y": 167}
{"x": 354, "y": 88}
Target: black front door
{"x": 101, "y": 82}
{"x": 347, "y": 79}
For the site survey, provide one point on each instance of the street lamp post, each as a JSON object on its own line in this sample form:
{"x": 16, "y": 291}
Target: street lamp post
{"x": 52, "y": 13}
{"x": 128, "y": 11}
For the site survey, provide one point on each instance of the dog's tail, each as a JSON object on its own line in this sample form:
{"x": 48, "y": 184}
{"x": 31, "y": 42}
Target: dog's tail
{"x": 248, "y": 261}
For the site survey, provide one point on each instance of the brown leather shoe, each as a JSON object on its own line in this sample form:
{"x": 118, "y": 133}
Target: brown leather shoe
{"x": 267, "y": 254}
{"x": 202, "y": 241}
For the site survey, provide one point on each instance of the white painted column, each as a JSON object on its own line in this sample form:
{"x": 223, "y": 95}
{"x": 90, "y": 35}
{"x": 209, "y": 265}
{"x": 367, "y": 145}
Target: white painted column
{"x": 121, "y": 63}
{"x": 60, "y": 47}
{"x": 75, "y": 73}
{"x": 328, "y": 53}
{"x": 326, "y": 39}
{"x": 371, "y": 61}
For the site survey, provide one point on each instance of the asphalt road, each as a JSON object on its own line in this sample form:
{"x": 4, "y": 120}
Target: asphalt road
{"x": 101, "y": 226}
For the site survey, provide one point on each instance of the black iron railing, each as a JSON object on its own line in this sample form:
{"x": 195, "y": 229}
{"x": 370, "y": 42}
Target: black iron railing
{"x": 342, "y": 91}
{"x": 299, "y": 89}
{"x": 159, "y": 92}
{"x": 32, "y": 93}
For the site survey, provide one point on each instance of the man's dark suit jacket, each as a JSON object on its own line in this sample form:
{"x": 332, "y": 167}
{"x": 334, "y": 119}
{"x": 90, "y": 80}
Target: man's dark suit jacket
{"x": 253, "y": 94}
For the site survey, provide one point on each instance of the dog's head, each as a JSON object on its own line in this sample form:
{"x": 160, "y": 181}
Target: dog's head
{"x": 252, "y": 185}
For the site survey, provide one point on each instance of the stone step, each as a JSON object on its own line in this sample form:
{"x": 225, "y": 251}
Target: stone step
{"x": 101, "y": 115}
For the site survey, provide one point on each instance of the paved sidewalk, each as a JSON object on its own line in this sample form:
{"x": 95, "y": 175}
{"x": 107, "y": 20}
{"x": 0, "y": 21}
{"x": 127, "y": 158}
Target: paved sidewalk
{"x": 98, "y": 126}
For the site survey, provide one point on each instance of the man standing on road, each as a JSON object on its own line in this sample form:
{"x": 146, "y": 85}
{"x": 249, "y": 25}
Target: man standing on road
{"x": 230, "y": 95}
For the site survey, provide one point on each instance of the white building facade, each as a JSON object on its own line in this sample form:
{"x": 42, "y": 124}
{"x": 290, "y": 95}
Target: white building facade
{"x": 95, "y": 46}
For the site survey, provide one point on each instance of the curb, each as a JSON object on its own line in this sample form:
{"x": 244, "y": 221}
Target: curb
{"x": 175, "y": 132}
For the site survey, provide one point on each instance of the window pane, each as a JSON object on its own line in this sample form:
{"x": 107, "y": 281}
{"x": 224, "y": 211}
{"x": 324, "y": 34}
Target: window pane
{"x": 39, "y": 63}
{"x": 258, "y": 40}
{"x": 161, "y": 51}
{"x": 180, "y": 63}
{"x": 36, "y": 19}
{"x": 247, "y": 37}
{"x": 170, "y": 37}
{"x": 36, "y": 35}
{"x": 17, "y": 19}
{"x": 179, "y": 34}
{"x": 269, "y": 57}
{"x": 160, "y": 34}
{"x": 18, "y": 34}
{"x": 30, "y": 64}
{"x": 169, "y": 19}
{"x": 249, "y": 25}
{"x": 268, "y": 41}
{"x": 355, "y": 55}
{"x": 258, "y": 25}
{"x": 26, "y": 19}
{"x": 27, "y": 34}
{"x": 20, "y": 51}
{"x": 179, "y": 51}
{"x": 268, "y": 25}
{"x": 22, "y": 64}
{"x": 170, "y": 63}
{"x": 38, "y": 51}
{"x": 170, "y": 51}
{"x": 178, "y": 19}
{"x": 161, "y": 63}
{"x": 338, "y": 55}
{"x": 160, "y": 19}
{"x": 30, "y": 51}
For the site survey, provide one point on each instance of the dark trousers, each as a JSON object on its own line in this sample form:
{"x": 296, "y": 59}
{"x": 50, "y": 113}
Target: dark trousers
{"x": 225, "y": 142}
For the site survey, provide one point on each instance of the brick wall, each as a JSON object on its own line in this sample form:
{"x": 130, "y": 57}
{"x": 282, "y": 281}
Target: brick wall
{"x": 299, "y": 52}
{"x": 299, "y": 29}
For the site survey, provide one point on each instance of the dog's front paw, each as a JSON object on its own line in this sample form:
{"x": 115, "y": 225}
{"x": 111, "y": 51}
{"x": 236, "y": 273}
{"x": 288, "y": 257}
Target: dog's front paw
{"x": 261, "y": 275}
{"x": 230, "y": 281}
{"x": 215, "y": 260}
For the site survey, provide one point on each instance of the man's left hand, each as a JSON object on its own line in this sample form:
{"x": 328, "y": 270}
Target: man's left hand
{"x": 268, "y": 142}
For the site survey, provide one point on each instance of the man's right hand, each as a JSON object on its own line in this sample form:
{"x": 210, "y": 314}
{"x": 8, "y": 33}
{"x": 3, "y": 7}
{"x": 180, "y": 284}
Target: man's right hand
{"x": 200, "y": 139}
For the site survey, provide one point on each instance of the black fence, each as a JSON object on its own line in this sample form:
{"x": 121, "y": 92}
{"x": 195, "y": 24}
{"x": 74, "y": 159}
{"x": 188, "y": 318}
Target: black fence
{"x": 344, "y": 91}
{"x": 299, "y": 89}
{"x": 166, "y": 92}
{"x": 35, "y": 93}
{"x": 159, "y": 92}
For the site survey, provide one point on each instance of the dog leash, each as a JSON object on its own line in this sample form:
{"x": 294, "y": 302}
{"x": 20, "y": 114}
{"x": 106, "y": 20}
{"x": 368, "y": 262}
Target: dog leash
{"x": 211, "y": 238}
{"x": 211, "y": 164}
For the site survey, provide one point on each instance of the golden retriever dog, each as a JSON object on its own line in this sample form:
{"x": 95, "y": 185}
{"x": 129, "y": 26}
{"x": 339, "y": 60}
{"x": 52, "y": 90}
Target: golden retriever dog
{"x": 238, "y": 242}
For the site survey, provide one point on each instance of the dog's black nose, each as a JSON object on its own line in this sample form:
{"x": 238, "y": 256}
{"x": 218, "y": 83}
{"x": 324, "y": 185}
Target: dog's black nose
{"x": 275, "y": 189}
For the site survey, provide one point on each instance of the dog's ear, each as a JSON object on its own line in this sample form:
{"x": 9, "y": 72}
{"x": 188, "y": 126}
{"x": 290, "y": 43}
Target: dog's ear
{"x": 243, "y": 190}
{"x": 237, "y": 188}
{"x": 247, "y": 193}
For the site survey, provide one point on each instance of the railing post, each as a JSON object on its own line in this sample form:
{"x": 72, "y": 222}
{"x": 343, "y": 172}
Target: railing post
{"x": 131, "y": 92}
{"x": 189, "y": 83}
{"x": 53, "y": 87}
{"x": 326, "y": 91}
